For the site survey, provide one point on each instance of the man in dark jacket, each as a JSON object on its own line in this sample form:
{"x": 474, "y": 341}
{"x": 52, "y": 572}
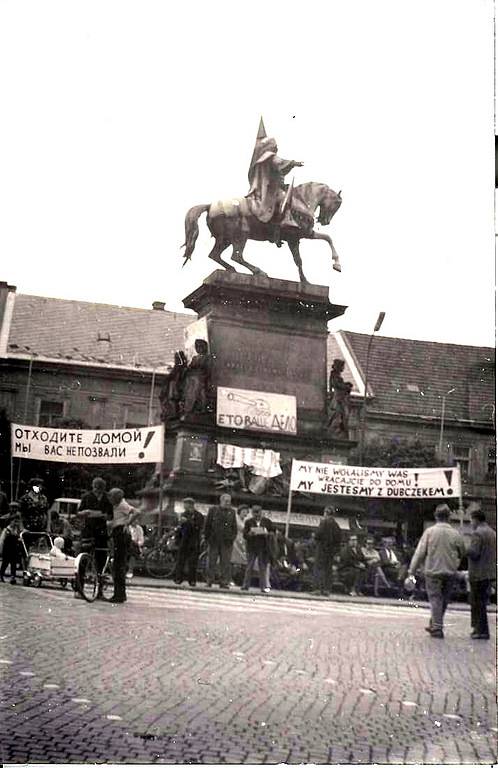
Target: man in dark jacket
{"x": 389, "y": 560}
{"x": 34, "y": 506}
{"x": 189, "y": 542}
{"x": 482, "y": 572}
{"x": 220, "y": 532}
{"x": 10, "y": 551}
{"x": 95, "y": 510}
{"x": 352, "y": 566}
{"x": 257, "y": 531}
{"x": 328, "y": 543}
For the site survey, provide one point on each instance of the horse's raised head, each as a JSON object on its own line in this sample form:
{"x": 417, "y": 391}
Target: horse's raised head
{"x": 329, "y": 204}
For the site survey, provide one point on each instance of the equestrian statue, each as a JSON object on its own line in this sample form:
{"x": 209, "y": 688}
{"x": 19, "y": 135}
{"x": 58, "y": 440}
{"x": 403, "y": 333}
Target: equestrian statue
{"x": 272, "y": 210}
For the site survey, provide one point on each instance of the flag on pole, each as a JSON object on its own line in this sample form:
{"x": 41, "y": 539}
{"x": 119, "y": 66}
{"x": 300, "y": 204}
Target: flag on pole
{"x": 260, "y": 135}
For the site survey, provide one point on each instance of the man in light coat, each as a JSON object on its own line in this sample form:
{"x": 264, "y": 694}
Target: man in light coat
{"x": 123, "y": 514}
{"x": 440, "y": 551}
{"x": 482, "y": 572}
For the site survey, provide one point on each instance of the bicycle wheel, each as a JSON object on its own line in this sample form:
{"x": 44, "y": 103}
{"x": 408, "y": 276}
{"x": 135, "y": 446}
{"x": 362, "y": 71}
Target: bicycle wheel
{"x": 160, "y": 563}
{"x": 107, "y": 585}
{"x": 88, "y": 578}
{"x": 202, "y": 566}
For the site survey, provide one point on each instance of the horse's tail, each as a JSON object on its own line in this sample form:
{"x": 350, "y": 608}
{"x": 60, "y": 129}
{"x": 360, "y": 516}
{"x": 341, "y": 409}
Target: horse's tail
{"x": 192, "y": 230}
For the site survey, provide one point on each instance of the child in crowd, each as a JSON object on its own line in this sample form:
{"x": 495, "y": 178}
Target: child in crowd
{"x": 10, "y": 539}
{"x": 57, "y": 549}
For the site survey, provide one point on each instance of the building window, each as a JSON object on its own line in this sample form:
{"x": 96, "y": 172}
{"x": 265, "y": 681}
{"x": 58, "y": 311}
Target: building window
{"x": 134, "y": 416}
{"x": 51, "y": 412}
{"x": 8, "y": 401}
{"x": 96, "y": 411}
{"x": 461, "y": 455}
{"x": 491, "y": 467}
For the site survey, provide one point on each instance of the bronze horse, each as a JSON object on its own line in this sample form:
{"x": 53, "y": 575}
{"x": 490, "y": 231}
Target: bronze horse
{"x": 232, "y": 223}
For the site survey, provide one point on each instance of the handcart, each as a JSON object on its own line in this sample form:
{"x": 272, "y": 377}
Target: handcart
{"x": 40, "y": 565}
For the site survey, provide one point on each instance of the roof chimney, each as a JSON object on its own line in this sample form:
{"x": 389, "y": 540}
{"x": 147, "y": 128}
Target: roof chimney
{"x": 159, "y": 305}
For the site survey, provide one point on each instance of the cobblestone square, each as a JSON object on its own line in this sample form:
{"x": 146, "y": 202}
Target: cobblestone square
{"x": 177, "y": 676}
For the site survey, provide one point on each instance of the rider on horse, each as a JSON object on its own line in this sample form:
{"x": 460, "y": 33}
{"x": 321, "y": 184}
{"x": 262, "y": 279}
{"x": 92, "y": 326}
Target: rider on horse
{"x": 271, "y": 211}
{"x": 267, "y": 197}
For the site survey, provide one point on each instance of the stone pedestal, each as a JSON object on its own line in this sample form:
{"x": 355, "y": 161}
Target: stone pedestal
{"x": 269, "y": 335}
{"x": 265, "y": 336}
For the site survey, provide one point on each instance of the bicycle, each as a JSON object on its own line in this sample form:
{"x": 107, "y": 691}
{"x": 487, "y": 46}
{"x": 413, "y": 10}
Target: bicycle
{"x": 160, "y": 561}
{"x": 89, "y": 582}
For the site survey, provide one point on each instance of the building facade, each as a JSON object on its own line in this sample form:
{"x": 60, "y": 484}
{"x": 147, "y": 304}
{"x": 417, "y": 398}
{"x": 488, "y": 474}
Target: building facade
{"x": 103, "y": 366}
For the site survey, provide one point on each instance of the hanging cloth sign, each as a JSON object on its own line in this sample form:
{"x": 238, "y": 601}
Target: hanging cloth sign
{"x": 376, "y": 482}
{"x": 137, "y": 445}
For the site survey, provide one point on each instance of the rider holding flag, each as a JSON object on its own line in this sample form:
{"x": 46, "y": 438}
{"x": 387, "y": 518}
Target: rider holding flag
{"x": 270, "y": 199}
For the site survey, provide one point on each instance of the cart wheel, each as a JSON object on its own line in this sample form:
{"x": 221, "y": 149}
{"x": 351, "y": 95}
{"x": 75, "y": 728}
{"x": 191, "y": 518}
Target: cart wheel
{"x": 37, "y": 580}
{"x": 63, "y": 583}
{"x": 88, "y": 579}
{"x": 74, "y": 585}
{"x": 26, "y": 580}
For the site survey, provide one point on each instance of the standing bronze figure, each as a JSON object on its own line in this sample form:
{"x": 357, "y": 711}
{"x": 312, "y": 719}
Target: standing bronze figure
{"x": 339, "y": 405}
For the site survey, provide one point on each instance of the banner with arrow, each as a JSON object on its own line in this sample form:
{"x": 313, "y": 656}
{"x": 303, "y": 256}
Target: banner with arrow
{"x": 376, "y": 482}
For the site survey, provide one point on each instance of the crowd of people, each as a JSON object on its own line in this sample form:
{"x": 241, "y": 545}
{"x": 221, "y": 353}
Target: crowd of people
{"x": 102, "y": 517}
{"x": 246, "y": 538}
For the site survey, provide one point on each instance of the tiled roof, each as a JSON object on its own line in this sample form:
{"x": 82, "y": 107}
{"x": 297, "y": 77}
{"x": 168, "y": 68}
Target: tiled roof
{"x": 410, "y": 377}
{"x": 70, "y": 330}
{"x": 405, "y": 377}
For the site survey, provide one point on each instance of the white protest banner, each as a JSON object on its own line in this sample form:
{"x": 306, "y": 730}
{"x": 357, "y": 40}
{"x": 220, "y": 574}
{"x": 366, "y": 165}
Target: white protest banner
{"x": 137, "y": 445}
{"x": 263, "y": 411}
{"x": 375, "y": 482}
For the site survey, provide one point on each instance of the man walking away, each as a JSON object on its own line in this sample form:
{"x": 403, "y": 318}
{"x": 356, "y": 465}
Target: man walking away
{"x": 482, "y": 572}
{"x": 440, "y": 550}
{"x": 220, "y": 532}
{"x": 328, "y": 544}
{"x": 256, "y": 533}
{"x": 189, "y": 548}
{"x": 122, "y": 515}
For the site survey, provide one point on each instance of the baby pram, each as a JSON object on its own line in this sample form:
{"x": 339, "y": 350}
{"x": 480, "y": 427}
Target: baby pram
{"x": 40, "y": 565}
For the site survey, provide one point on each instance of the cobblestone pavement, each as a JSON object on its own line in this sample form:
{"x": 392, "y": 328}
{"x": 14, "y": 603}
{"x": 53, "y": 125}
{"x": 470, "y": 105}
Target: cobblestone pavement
{"x": 208, "y": 677}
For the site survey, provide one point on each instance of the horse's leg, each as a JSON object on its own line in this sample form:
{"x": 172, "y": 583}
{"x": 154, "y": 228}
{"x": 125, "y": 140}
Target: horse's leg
{"x": 238, "y": 249}
{"x": 335, "y": 255}
{"x": 294, "y": 249}
{"x": 219, "y": 246}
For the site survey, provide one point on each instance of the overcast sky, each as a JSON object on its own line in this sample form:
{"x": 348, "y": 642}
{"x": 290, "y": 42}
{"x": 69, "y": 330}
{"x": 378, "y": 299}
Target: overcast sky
{"x": 117, "y": 117}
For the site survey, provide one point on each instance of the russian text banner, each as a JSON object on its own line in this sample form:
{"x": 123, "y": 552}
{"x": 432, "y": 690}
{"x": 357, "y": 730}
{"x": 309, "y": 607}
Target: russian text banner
{"x": 375, "y": 482}
{"x": 263, "y": 411}
{"x": 138, "y": 445}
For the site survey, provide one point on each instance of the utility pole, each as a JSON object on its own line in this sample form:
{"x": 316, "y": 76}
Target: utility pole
{"x": 363, "y": 419}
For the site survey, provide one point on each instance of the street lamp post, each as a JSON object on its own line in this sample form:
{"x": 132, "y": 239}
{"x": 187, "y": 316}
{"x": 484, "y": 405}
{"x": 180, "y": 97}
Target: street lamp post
{"x": 441, "y": 430}
{"x": 377, "y": 327}
{"x": 26, "y": 408}
{"x": 151, "y": 398}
